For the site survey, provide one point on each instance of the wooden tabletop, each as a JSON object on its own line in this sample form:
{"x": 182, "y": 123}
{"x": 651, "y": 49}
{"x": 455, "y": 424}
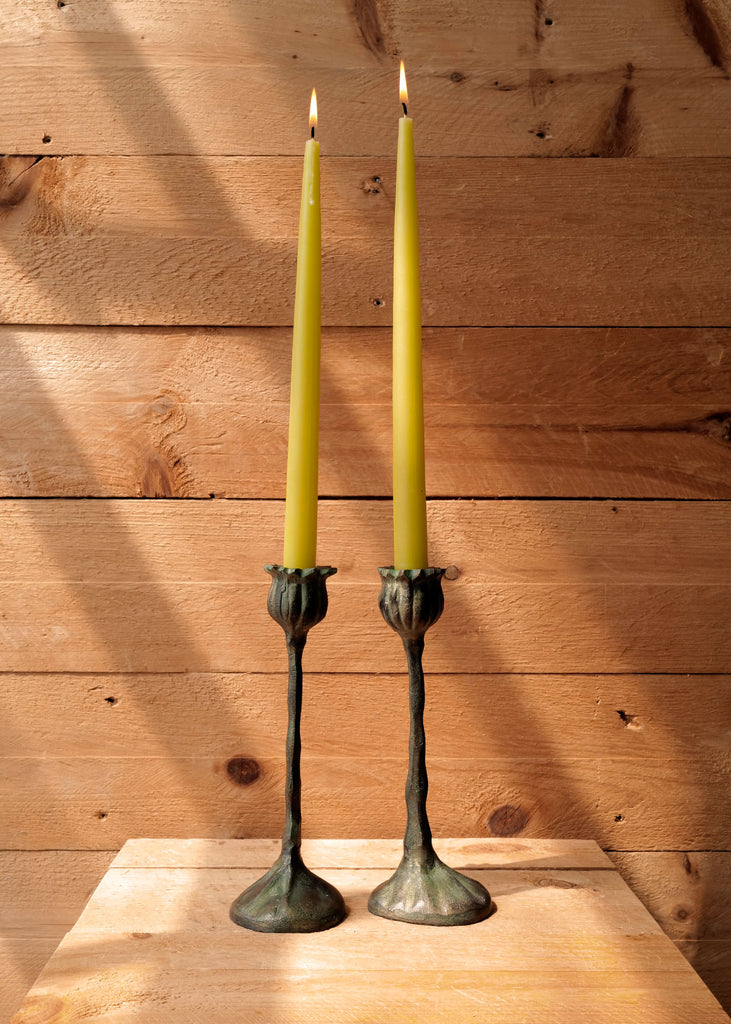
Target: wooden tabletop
{"x": 569, "y": 942}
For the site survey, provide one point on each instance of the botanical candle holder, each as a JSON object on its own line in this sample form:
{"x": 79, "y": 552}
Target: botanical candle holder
{"x": 423, "y": 890}
{"x": 289, "y": 897}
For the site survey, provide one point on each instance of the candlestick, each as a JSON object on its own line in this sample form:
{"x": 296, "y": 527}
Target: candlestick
{"x": 300, "y": 517}
{"x": 423, "y": 889}
{"x": 289, "y": 897}
{"x": 409, "y": 487}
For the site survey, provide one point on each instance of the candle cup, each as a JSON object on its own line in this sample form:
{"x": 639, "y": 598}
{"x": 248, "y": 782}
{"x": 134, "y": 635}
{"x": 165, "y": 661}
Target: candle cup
{"x": 423, "y": 890}
{"x": 289, "y": 897}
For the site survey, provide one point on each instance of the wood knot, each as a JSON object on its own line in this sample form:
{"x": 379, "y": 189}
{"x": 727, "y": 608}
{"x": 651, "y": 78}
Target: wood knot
{"x": 508, "y": 820}
{"x": 156, "y": 478}
{"x": 368, "y": 21}
{"x": 243, "y": 770}
{"x": 707, "y": 33}
{"x": 457, "y": 77}
{"x": 556, "y": 883}
{"x": 16, "y": 180}
{"x": 681, "y": 913}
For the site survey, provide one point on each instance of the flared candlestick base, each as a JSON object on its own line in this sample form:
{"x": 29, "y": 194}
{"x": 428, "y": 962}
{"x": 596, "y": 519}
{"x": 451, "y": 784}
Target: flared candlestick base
{"x": 424, "y": 890}
{"x": 289, "y": 898}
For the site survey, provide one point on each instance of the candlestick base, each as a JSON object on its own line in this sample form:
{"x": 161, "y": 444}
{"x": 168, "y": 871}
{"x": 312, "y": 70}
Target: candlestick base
{"x": 289, "y": 897}
{"x": 423, "y": 889}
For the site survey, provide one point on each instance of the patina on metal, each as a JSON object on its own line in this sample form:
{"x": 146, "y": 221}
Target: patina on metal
{"x": 289, "y": 897}
{"x": 423, "y": 890}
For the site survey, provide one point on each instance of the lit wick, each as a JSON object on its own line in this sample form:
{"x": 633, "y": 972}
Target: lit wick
{"x": 403, "y": 94}
{"x": 313, "y": 114}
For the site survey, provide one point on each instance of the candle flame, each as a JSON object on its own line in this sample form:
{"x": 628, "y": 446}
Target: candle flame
{"x": 313, "y": 111}
{"x": 403, "y": 94}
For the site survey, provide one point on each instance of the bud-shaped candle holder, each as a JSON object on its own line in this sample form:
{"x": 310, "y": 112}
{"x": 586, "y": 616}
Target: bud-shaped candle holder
{"x": 423, "y": 890}
{"x": 289, "y": 897}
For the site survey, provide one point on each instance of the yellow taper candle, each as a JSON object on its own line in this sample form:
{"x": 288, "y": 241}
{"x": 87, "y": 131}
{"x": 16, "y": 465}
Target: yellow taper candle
{"x": 409, "y": 489}
{"x": 300, "y": 517}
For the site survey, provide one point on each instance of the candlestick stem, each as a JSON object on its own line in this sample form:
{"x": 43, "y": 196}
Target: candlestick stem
{"x": 292, "y": 838}
{"x": 417, "y": 841}
{"x": 289, "y": 897}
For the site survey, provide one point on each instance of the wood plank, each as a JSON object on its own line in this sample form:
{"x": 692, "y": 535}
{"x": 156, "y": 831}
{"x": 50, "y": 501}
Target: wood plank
{"x": 145, "y": 587}
{"x": 497, "y": 854}
{"x": 176, "y": 240}
{"x": 427, "y": 34}
{"x": 685, "y": 892}
{"x": 277, "y": 996}
{"x": 634, "y": 716}
{"x": 21, "y": 961}
{"x": 591, "y": 945}
{"x": 118, "y": 106}
{"x": 123, "y": 898}
{"x": 112, "y": 627}
{"x": 622, "y": 803}
{"x": 42, "y": 892}
{"x": 711, "y": 958}
{"x": 193, "y": 412}
{"x": 506, "y": 542}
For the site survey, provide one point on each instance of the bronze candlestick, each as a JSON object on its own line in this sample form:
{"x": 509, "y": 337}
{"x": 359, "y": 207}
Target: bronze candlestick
{"x": 289, "y": 897}
{"x": 423, "y": 890}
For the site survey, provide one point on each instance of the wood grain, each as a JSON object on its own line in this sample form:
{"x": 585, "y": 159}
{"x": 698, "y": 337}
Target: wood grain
{"x": 243, "y": 716}
{"x": 145, "y": 587}
{"x": 118, "y": 106}
{"x": 653, "y": 34}
{"x": 180, "y": 240}
{"x": 121, "y": 903}
{"x": 571, "y": 934}
{"x": 42, "y": 894}
{"x": 712, "y": 960}
{"x": 621, "y": 802}
{"x": 512, "y": 543}
{"x": 685, "y": 892}
{"x": 510, "y": 411}
{"x": 496, "y": 854}
{"x": 34, "y": 884}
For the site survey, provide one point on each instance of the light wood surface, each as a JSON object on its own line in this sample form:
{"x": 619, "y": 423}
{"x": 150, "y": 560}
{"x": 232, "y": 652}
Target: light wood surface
{"x": 652, "y": 34}
{"x": 153, "y": 933}
{"x": 94, "y": 803}
{"x": 470, "y": 715}
{"x": 41, "y": 895}
{"x": 133, "y": 586}
{"x": 112, "y": 104}
{"x": 496, "y": 854}
{"x": 194, "y": 412}
{"x": 190, "y": 240}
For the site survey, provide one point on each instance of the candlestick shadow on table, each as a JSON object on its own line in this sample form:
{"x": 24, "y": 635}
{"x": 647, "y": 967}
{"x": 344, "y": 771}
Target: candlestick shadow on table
{"x": 423, "y": 890}
{"x": 289, "y": 897}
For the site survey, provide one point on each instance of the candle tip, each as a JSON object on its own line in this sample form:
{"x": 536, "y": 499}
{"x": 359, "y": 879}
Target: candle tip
{"x": 403, "y": 92}
{"x": 313, "y": 113}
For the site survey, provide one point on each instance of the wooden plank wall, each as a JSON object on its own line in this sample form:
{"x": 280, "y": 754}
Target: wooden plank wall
{"x": 578, "y": 405}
